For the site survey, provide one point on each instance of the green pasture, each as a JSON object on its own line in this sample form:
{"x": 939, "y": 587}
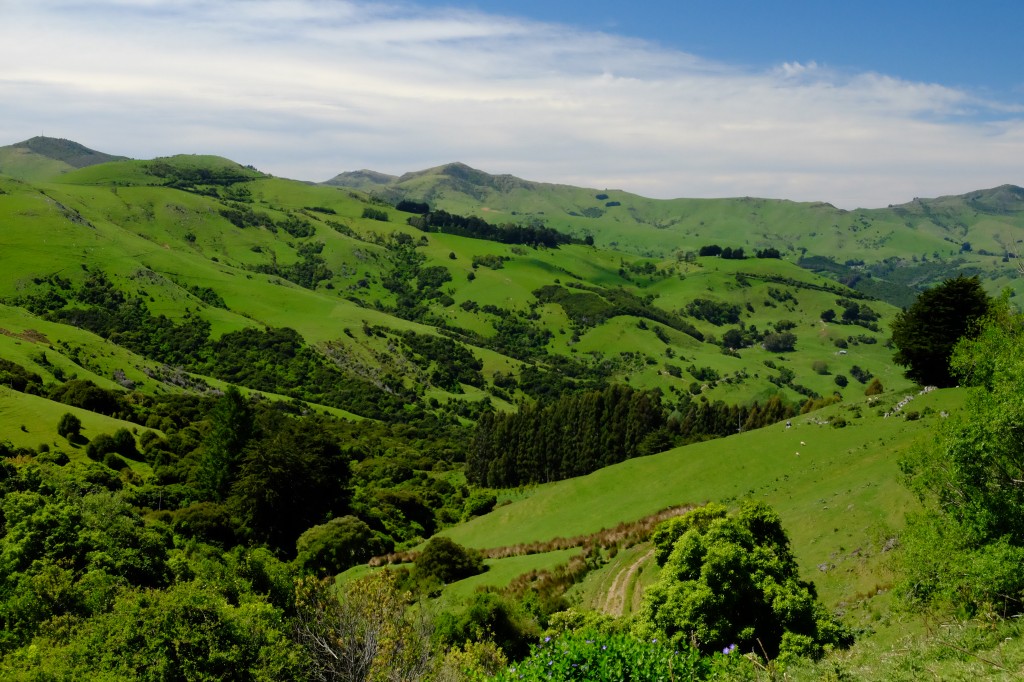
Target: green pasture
{"x": 835, "y": 492}
{"x": 29, "y": 421}
{"x": 24, "y": 164}
{"x": 501, "y": 572}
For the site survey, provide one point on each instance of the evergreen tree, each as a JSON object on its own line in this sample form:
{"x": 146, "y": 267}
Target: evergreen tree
{"x": 925, "y": 333}
{"x": 230, "y": 429}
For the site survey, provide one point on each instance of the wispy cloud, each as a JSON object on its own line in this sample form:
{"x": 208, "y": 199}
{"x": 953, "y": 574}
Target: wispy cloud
{"x": 308, "y": 88}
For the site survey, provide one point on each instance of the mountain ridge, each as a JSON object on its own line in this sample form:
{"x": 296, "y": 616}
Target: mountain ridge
{"x": 502, "y": 181}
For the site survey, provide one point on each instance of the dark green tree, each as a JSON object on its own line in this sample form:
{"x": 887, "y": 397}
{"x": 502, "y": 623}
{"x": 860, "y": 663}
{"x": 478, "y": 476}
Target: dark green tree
{"x": 295, "y": 478}
{"x": 230, "y": 429}
{"x": 925, "y": 333}
{"x": 69, "y": 426}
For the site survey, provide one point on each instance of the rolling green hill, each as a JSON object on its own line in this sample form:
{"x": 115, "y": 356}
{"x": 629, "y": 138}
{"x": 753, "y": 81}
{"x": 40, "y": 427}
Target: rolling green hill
{"x": 885, "y": 252}
{"x": 41, "y": 158}
{"x": 372, "y": 356}
{"x": 202, "y": 236}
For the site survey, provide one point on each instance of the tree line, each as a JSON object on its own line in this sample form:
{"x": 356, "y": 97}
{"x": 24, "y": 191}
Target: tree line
{"x": 576, "y": 434}
{"x": 477, "y": 228}
{"x": 571, "y": 436}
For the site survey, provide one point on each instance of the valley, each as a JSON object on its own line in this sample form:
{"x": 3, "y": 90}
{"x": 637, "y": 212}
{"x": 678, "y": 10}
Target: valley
{"x": 276, "y": 379}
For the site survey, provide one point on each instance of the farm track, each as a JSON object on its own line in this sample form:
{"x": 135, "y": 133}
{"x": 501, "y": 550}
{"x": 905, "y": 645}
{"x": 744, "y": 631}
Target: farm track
{"x": 615, "y": 600}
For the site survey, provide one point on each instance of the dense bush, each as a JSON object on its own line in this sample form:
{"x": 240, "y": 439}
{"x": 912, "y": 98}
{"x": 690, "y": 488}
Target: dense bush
{"x": 732, "y": 580}
{"x": 591, "y": 655}
{"x": 338, "y": 545}
{"x": 447, "y": 561}
{"x": 965, "y": 550}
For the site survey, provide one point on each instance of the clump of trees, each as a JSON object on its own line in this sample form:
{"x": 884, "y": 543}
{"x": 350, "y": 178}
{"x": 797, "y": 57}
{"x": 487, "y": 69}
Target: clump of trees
{"x": 783, "y": 342}
{"x": 728, "y": 253}
{"x": 535, "y": 445}
{"x": 963, "y": 553}
{"x": 715, "y": 312}
{"x": 535, "y": 234}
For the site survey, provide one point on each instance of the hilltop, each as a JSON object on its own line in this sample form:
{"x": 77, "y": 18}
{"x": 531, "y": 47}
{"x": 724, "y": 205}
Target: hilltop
{"x": 44, "y": 157}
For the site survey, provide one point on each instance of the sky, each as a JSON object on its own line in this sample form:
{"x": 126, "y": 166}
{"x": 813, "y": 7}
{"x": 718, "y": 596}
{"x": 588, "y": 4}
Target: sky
{"x": 860, "y": 104}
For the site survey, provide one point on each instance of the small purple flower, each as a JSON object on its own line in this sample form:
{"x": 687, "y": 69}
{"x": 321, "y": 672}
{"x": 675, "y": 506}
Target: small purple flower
{"x": 547, "y": 639}
{"x": 729, "y": 649}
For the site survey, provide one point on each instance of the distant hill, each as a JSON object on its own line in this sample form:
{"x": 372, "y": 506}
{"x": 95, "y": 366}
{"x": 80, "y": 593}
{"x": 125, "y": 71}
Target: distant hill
{"x": 361, "y": 179}
{"x": 41, "y": 158}
{"x": 890, "y": 253}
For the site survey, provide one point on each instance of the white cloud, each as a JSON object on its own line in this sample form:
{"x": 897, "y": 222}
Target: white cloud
{"x": 308, "y": 88}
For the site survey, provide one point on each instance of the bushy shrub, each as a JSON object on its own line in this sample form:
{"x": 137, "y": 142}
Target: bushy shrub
{"x": 479, "y": 503}
{"x": 69, "y": 426}
{"x": 338, "y": 545}
{"x": 594, "y": 655}
{"x": 99, "y": 446}
{"x": 112, "y": 460}
{"x": 490, "y": 615}
{"x": 732, "y": 580}
{"x": 446, "y": 560}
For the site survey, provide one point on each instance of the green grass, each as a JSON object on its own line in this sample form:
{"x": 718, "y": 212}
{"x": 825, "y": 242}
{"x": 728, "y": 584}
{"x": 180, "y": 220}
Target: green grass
{"x": 39, "y": 418}
{"x": 841, "y": 492}
{"x": 601, "y": 590}
{"x": 22, "y": 163}
{"x": 501, "y": 572}
{"x": 941, "y": 650}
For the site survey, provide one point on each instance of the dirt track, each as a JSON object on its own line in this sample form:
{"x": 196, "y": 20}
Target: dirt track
{"x": 615, "y": 600}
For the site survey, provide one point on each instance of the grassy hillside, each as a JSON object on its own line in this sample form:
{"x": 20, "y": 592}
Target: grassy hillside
{"x": 161, "y": 234}
{"x": 373, "y": 359}
{"x": 43, "y": 158}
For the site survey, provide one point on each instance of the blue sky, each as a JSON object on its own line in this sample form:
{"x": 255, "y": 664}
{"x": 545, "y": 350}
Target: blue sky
{"x": 974, "y": 45}
{"x": 860, "y": 104}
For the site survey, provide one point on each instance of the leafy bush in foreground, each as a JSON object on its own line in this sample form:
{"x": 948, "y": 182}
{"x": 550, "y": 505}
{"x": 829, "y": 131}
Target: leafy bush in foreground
{"x": 732, "y": 580}
{"x": 590, "y": 655}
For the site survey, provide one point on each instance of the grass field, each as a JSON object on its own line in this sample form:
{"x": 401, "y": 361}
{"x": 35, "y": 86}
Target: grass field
{"x": 838, "y": 490}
